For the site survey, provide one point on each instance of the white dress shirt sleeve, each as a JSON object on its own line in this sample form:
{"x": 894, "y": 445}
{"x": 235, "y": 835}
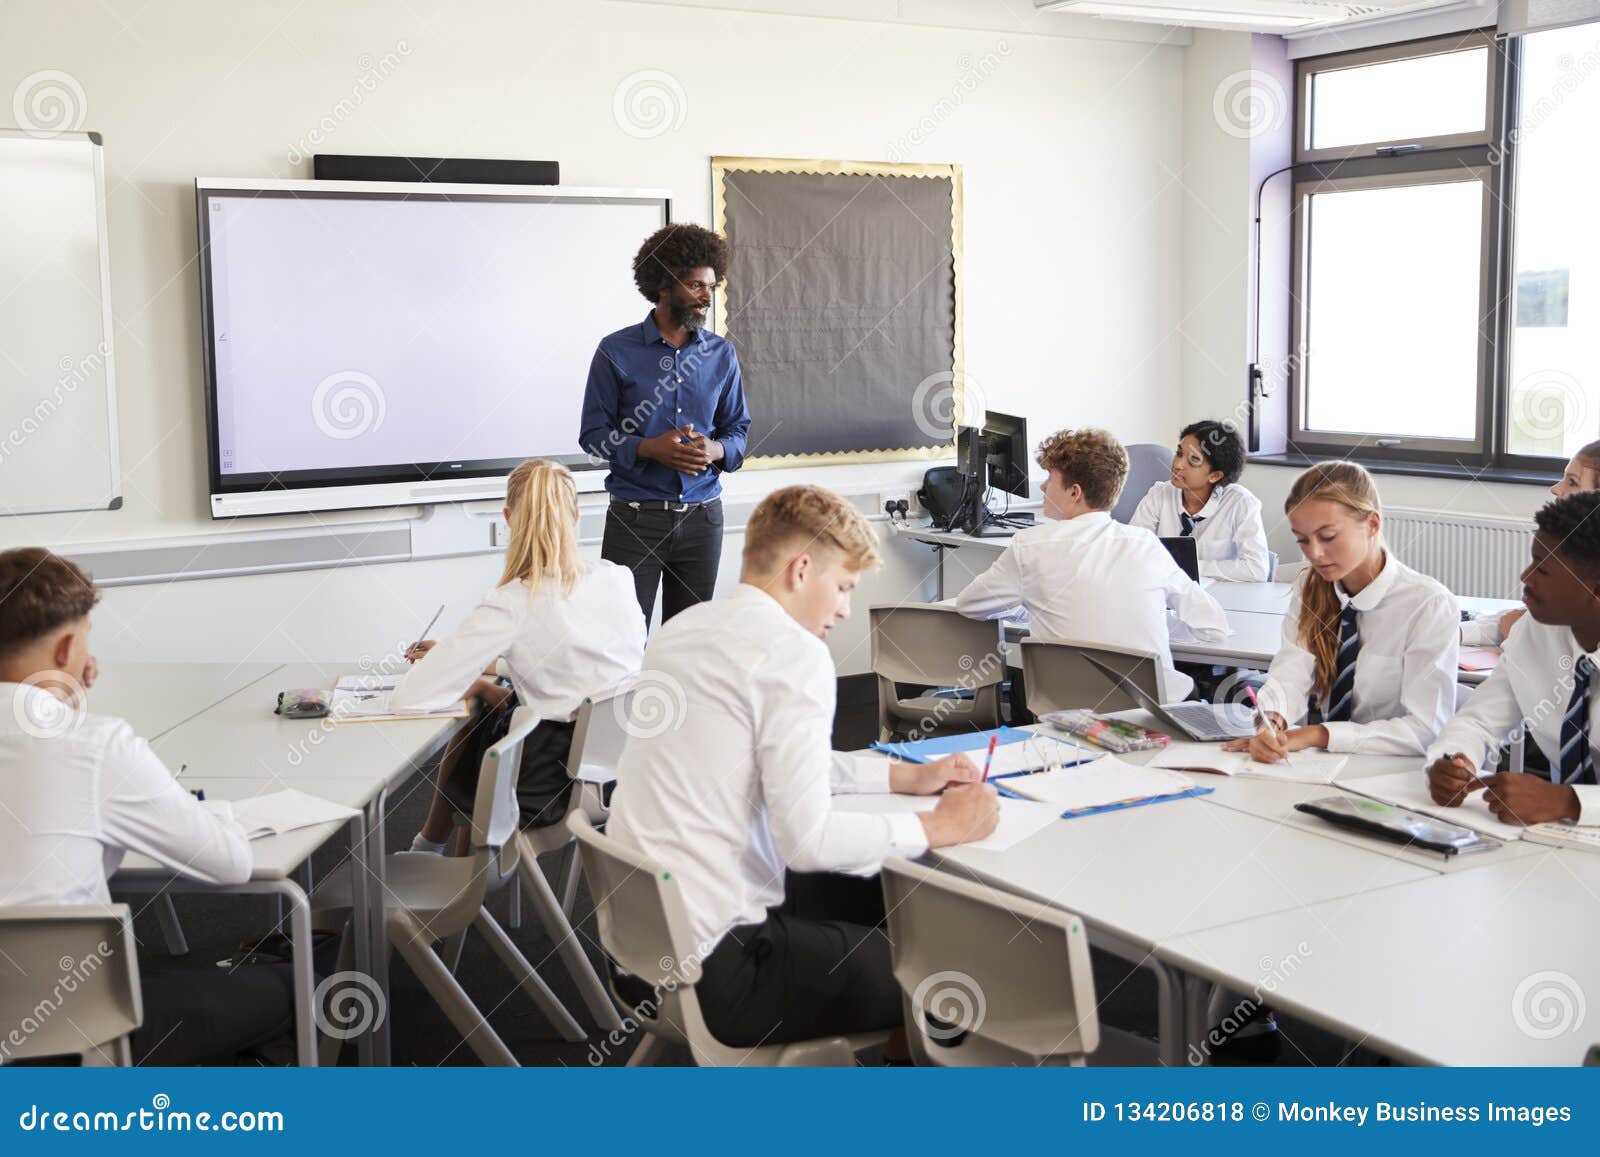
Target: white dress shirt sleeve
{"x": 1428, "y": 667}
{"x": 997, "y": 592}
{"x": 795, "y": 759}
{"x": 1250, "y": 561}
{"x": 859, "y": 774}
{"x": 143, "y": 809}
{"x": 444, "y": 674}
{"x": 1483, "y": 725}
{"x": 1291, "y": 674}
{"x": 1148, "y": 513}
{"x": 1588, "y": 804}
{"x": 1483, "y": 631}
{"x": 1192, "y": 614}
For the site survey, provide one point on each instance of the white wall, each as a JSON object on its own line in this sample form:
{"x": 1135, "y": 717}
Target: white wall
{"x": 1073, "y": 227}
{"x": 1221, "y": 168}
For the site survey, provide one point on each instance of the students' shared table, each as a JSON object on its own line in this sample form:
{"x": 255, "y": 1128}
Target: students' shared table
{"x": 235, "y": 748}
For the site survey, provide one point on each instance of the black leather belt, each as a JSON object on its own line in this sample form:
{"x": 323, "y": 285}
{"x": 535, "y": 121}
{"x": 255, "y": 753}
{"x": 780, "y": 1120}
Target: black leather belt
{"x": 658, "y": 504}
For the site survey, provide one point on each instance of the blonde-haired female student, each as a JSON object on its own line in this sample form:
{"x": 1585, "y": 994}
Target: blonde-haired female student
{"x": 1369, "y": 640}
{"x": 1582, "y": 474}
{"x": 559, "y": 628}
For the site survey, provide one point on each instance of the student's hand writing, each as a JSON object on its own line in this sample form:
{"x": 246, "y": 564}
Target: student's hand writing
{"x": 1277, "y": 722}
{"x": 965, "y": 813}
{"x": 1451, "y": 779}
{"x": 1516, "y": 797}
{"x": 417, "y": 650}
{"x": 932, "y": 778}
{"x": 678, "y": 449}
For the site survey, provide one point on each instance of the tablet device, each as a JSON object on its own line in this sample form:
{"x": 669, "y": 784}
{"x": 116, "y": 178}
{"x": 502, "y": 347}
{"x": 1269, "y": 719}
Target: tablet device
{"x": 1183, "y": 552}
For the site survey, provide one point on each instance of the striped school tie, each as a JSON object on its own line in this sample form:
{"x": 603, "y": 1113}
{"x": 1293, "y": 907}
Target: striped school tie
{"x": 1187, "y": 522}
{"x": 1577, "y": 759}
{"x": 1341, "y": 695}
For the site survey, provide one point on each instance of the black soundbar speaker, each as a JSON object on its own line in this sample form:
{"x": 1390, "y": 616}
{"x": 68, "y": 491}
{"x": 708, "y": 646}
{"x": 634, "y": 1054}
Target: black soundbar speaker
{"x": 440, "y": 170}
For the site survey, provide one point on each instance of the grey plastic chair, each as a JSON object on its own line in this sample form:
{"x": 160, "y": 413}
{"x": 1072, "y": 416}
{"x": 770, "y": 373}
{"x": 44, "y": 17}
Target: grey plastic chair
{"x": 1147, "y": 465}
{"x": 429, "y": 898}
{"x": 598, "y": 738}
{"x": 644, "y": 927}
{"x": 1007, "y": 981}
{"x": 43, "y": 949}
{"x": 933, "y": 645}
{"x": 1057, "y": 678}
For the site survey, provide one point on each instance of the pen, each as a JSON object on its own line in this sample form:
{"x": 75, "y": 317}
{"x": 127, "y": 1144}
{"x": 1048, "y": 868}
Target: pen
{"x": 181, "y": 770}
{"x": 993, "y": 739}
{"x": 429, "y": 627}
{"x": 1265, "y": 718}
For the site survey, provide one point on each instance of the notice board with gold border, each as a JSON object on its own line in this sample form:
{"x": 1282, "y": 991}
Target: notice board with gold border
{"x": 843, "y": 299}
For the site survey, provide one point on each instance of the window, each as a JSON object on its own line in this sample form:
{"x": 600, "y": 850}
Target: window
{"x": 1446, "y": 258}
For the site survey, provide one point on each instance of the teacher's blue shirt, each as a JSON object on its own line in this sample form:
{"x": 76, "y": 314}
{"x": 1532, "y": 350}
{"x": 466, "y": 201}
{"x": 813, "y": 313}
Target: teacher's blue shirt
{"x": 639, "y": 387}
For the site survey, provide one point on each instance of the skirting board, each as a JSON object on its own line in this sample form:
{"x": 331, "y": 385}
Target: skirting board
{"x": 438, "y": 532}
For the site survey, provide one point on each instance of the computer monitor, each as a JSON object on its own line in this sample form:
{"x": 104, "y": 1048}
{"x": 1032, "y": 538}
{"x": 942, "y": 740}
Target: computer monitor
{"x": 997, "y": 452}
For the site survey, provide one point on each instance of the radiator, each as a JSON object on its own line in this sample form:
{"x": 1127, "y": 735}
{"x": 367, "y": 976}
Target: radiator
{"x": 1477, "y": 555}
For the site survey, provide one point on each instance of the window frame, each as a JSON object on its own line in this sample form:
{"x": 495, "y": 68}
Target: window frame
{"x": 1490, "y": 156}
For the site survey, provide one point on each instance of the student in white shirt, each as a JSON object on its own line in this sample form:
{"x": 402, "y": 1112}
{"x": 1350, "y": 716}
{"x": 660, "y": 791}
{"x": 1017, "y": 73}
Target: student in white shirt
{"x": 1370, "y": 639}
{"x": 1204, "y": 501}
{"x": 559, "y": 628}
{"x": 1582, "y": 473}
{"x": 735, "y": 792}
{"x": 1544, "y": 687}
{"x": 79, "y": 791}
{"x": 1082, "y": 576}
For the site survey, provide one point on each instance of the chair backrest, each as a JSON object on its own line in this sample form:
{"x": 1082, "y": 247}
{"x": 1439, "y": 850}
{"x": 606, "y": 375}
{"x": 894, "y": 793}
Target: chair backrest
{"x": 1147, "y": 465}
{"x": 494, "y": 809}
{"x": 69, "y": 983}
{"x": 1006, "y": 980}
{"x": 936, "y": 645}
{"x": 602, "y": 733}
{"x": 1057, "y": 677}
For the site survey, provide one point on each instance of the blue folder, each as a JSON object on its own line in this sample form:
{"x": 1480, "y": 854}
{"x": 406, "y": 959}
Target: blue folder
{"x": 1110, "y": 807}
{"x": 927, "y": 750}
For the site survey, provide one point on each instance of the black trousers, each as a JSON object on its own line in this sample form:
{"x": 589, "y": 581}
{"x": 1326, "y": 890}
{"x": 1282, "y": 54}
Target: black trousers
{"x": 198, "y": 1014}
{"x": 677, "y": 551}
{"x": 817, "y": 966}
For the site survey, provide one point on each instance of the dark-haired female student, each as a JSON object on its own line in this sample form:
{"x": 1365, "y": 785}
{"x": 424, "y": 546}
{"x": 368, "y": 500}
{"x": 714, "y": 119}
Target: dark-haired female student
{"x": 1203, "y": 500}
{"x": 1368, "y": 642}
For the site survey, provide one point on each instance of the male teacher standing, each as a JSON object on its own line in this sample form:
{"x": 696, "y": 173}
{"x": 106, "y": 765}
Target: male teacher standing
{"x": 665, "y": 408}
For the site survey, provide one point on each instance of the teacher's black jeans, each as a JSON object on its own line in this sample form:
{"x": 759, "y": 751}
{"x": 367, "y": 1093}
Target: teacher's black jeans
{"x": 677, "y": 550}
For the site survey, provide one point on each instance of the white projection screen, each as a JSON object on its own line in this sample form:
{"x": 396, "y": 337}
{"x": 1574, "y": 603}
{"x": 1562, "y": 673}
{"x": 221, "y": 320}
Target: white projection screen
{"x": 375, "y": 344}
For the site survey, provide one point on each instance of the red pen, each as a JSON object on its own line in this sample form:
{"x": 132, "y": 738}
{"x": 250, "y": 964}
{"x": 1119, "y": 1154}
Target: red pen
{"x": 993, "y": 739}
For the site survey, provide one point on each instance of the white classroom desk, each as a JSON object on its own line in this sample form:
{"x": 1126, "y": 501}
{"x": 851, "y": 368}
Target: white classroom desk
{"x": 1488, "y": 967}
{"x": 156, "y": 697}
{"x": 239, "y": 740}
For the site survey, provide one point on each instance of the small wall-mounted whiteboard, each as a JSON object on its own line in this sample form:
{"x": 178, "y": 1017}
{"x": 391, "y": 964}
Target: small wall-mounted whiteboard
{"x": 58, "y": 426}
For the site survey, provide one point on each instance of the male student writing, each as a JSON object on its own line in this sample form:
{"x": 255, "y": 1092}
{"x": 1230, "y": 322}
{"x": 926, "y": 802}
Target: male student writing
{"x": 737, "y": 792}
{"x": 79, "y": 791}
{"x": 1085, "y": 577}
{"x": 1545, "y": 684}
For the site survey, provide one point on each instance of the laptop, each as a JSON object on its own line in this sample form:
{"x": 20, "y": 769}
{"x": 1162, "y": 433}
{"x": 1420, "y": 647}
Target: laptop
{"x": 1206, "y": 722}
{"x": 1183, "y": 552}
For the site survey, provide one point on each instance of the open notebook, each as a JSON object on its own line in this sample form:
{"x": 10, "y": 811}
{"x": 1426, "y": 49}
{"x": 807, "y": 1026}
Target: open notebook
{"x": 1304, "y": 766}
{"x": 277, "y": 812}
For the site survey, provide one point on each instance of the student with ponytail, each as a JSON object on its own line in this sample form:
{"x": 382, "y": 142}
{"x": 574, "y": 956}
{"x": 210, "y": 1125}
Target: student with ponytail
{"x": 1369, "y": 643}
{"x": 1582, "y": 474}
{"x": 559, "y": 628}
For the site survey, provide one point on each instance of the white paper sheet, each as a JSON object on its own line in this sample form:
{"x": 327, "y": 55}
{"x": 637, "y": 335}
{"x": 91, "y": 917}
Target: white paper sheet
{"x": 277, "y": 812}
{"x": 1108, "y": 780}
{"x": 1305, "y": 766}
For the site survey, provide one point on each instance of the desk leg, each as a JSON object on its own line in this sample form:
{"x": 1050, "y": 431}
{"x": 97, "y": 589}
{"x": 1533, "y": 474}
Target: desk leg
{"x": 1198, "y": 995}
{"x": 360, "y": 905}
{"x": 1171, "y": 1024}
{"x": 377, "y": 933}
{"x": 938, "y": 581}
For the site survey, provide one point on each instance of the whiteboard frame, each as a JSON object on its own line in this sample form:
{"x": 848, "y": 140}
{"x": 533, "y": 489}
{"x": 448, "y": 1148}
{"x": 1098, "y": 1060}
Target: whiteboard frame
{"x": 113, "y": 500}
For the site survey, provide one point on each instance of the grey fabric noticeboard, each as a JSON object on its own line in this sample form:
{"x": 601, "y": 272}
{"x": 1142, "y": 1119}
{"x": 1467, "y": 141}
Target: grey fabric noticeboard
{"x": 843, "y": 302}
